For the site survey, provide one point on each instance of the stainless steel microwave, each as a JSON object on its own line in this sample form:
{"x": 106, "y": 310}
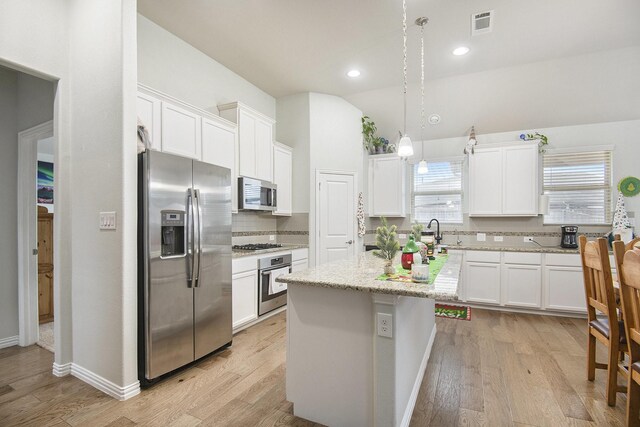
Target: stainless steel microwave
{"x": 256, "y": 195}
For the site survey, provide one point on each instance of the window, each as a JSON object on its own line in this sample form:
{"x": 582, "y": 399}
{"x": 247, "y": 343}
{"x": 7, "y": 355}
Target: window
{"x": 579, "y": 187}
{"x": 438, "y": 193}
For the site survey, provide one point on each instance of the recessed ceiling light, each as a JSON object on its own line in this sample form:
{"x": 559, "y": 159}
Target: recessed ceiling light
{"x": 462, "y": 50}
{"x": 353, "y": 73}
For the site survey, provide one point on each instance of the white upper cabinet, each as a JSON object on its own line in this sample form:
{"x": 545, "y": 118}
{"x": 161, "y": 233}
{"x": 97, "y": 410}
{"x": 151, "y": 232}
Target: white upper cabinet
{"x": 219, "y": 147}
{"x": 150, "y": 113}
{"x": 181, "y": 133}
{"x": 387, "y": 176}
{"x": 282, "y": 177}
{"x": 503, "y": 181}
{"x": 255, "y": 140}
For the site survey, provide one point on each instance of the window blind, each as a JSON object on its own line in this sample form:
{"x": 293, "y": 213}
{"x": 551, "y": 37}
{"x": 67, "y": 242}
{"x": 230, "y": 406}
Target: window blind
{"x": 579, "y": 187}
{"x": 438, "y": 193}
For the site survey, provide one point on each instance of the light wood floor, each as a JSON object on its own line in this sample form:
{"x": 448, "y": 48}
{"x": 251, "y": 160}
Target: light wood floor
{"x": 498, "y": 369}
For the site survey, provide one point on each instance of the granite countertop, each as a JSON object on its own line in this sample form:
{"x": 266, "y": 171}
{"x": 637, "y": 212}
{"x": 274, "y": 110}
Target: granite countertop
{"x": 284, "y": 248}
{"x": 535, "y": 249}
{"x": 360, "y": 274}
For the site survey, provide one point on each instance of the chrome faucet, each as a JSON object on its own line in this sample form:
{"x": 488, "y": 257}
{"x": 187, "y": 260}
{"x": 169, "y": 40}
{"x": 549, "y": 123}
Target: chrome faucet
{"x": 458, "y": 241}
{"x": 438, "y": 235}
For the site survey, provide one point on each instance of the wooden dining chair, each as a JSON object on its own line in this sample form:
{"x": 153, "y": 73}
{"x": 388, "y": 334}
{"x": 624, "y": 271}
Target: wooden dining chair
{"x": 628, "y": 266}
{"x": 634, "y": 243}
{"x": 607, "y": 329}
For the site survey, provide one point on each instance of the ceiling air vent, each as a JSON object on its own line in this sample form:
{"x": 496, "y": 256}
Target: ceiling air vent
{"x": 481, "y": 23}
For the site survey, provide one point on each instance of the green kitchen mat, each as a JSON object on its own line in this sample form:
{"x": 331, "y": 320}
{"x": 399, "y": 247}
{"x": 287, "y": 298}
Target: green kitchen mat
{"x": 461, "y": 312}
{"x": 402, "y": 275}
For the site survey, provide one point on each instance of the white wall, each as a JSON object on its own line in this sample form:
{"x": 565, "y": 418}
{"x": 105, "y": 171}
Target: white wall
{"x": 293, "y": 129}
{"x": 593, "y": 88}
{"x": 8, "y": 206}
{"x": 335, "y": 144}
{"x": 171, "y": 65}
{"x": 88, "y": 47}
{"x": 35, "y": 101}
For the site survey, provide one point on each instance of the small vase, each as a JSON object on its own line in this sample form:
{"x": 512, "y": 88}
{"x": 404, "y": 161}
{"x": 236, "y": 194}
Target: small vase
{"x": 388, "y": 269}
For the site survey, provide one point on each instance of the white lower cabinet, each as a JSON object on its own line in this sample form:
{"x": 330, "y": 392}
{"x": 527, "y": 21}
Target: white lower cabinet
{"x": 245, "y": 297}
{"x": 521, "y": 285}
{"x": 299, "y": 265}
{"x": 564, "y": 286}
{"x": 482, "y": 282}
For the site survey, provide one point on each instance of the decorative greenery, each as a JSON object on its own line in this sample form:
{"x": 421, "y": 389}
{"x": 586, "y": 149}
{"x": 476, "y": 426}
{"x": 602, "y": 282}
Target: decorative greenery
{"x": 416, "y": 230}
{"x": 542, "y": 139}
{"x": 387, "y": 241}
{"x": 369, "y": 138}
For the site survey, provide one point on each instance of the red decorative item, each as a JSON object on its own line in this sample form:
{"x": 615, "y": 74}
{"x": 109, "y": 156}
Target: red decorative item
{"x": 407, "y": 260}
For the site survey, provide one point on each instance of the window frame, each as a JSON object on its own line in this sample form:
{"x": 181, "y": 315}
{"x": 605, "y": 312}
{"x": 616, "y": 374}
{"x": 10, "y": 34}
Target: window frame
{"x": 461, "y": 160}
{"x": 582, "y": 150}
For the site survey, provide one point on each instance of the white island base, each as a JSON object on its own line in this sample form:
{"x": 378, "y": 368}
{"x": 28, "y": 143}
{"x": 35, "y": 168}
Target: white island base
{"x": 340, "y": 372}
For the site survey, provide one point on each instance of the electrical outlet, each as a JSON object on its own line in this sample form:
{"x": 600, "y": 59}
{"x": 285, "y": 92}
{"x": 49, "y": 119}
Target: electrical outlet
{"x": 481, "y": 237}
{"x": 498, "y": 238}
{"x": 402, "y": 236}
{"x": 385, "y": 325}
{"x": 272, "y": 237}
{"x": 528, "y": 239}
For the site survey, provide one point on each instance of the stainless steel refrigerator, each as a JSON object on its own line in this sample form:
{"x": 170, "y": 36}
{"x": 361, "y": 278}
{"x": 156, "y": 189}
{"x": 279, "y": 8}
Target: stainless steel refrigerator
{"x": 184, "y": 262}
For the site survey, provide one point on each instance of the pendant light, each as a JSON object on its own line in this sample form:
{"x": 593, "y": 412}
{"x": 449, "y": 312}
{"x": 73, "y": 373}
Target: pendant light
{"x": 422, "y": 166}
{"x": 405, "y": 147}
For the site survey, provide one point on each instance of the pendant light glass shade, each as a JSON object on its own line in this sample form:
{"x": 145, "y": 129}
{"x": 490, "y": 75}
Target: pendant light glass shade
{"x": 405, "y": 147}
{"x": 422, "y": 167}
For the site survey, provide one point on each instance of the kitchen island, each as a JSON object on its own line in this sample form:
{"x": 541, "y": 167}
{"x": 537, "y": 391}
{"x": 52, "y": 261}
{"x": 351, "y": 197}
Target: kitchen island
{"x": 341, "y": 371}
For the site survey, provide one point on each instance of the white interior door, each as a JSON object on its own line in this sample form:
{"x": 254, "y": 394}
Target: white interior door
{"x": 336, "y": 217}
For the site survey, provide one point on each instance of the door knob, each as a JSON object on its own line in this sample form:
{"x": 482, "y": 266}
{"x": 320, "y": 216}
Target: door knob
{"x": 349, "y": 242}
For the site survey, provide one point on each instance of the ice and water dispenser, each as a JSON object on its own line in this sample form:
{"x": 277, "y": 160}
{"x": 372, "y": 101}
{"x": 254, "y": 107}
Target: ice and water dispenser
{"x": 173, "y": 237}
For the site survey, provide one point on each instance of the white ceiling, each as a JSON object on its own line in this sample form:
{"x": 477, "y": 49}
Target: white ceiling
{"x": 286, "y": 47}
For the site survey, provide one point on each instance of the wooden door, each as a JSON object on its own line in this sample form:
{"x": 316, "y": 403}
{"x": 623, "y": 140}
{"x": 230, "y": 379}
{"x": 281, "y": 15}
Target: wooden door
{"x": 45, "y": 265}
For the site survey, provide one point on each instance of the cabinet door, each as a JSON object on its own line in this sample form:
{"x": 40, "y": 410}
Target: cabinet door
{"x": 485, "y": 182}
{"x": 564, "y": 289}
{"x": 181, "y": 133}
{"x": 264, "y": 150}
{"x": 522, "y": 285}
{"x": 150, "y": 113}
{"x": 282, "y": 164}
{"x": 387, "y": 186}
{"x": 300, "y": 265}
{"x": 482, "y": 282}
{"x": 219, "y": 147}
{"x": 520, "y": 180}
{"x": 244, "y": 297}
{"x": 247, "y": 144}
{"x": 45, "y": 297}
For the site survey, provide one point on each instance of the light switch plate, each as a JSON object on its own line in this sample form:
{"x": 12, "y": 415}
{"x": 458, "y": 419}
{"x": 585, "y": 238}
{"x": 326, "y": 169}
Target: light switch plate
{"x": 481, "y": 237}
{"x": 498, "y": 238}
{"x": 107, "y": 220}
{"x": 402, "y": 236}
{"x": 272, "y": 237}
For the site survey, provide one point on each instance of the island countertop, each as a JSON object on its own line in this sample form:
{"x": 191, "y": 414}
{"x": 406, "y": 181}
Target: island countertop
{"x": 360, "y": 274}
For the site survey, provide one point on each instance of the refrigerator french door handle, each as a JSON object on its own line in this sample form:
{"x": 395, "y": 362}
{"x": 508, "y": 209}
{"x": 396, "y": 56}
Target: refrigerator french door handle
{"x": 198, "y": 247}
{"x": 190, "y": 239}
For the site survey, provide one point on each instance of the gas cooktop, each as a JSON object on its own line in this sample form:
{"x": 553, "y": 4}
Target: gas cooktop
{"x": 255, "y": 246}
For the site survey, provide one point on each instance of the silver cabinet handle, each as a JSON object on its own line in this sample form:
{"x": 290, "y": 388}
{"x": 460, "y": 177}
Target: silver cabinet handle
{"x": 350, "y": 242}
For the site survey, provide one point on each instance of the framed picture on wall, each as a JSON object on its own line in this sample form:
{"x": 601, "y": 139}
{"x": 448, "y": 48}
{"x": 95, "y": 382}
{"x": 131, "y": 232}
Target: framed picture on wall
{"x": 45, "y": 182}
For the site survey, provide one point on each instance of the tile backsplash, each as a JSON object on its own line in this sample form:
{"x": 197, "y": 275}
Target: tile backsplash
{"x": 251, "y": 227}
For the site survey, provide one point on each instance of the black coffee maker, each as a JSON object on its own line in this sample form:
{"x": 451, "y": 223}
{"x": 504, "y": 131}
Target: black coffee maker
{"x": 569, "y": 236}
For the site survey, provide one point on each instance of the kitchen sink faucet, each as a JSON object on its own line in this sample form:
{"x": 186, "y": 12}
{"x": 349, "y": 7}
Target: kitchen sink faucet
{"x": 438, "y": 235}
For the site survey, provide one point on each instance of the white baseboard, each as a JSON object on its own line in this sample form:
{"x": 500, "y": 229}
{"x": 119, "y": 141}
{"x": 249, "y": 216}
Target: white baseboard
{"x": 9, "y": 341}
{"x": 104, "y": 385}
{"x": 413, "y": 397}
{"x": 61, "y": 370}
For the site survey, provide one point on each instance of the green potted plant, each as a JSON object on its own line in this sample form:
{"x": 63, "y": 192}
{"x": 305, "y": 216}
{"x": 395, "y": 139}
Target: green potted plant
{"x": 416, "y": 230}
{"x": 388, "y": 244}
{"x": 369, "y": 138}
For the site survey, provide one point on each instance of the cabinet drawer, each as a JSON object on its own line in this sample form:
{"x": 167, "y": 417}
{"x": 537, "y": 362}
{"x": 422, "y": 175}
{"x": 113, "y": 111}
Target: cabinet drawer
{"x": 298, "y": 254}
{"x": 240, "y": 265}
{"x": 569, "y": 260}
{"x": 522, "y": 258}
{"x": 483, "y": 256}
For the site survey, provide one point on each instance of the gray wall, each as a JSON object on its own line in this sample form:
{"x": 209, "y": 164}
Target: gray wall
{"x": 8, "y": 206}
